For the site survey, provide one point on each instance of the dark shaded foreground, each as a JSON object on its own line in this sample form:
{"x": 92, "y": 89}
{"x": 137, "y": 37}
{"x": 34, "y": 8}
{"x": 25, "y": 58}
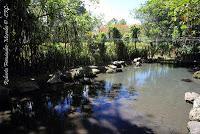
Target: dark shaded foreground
{"x": 71, "y": 109}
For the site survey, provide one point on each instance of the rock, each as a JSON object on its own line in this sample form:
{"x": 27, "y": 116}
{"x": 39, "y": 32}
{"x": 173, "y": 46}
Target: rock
{"x": 93, "y": 67}
{"x": 55, "y": 78}
{"x": 77, "y": 72}
{"x": 137, "y": 60}
{"x": 32, "y": 79}
{"x": 196, "y": 103}
{"x": 67, "y": 76}
{"x": 102, "y": 69}
{"x": 25, "y": 99}
{"x": 119, "y": 70}
{"x": 81, "y": 72}
{"x": 119, "y": 64}
{"x": 160, "y": 58}
{"x": 112, "y": 66}
{"x": 50, "y": 75}
{"x": 107, "y": 68}
{"x": 194, "y": 114}
{"x": 95, "y": 71}
{"x": 194, "y": 127}
{"x": 88, "y": 72}
{"x": 110, "y": 70}
{"x": 197, "y": 75}
{"x": 186, "y": 80}
{"x": 191, "y": 96}
{"x": 195, "y": 69}
{"x": 28, "y": 86}
{"x": 138, "y": 64}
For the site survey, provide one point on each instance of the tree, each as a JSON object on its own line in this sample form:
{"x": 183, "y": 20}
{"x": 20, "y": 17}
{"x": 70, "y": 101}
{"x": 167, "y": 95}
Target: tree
{"x": 170, "y": 20}
{"x": 101, "y": 39}
{"x": 47, "y": 33}
{"x": 122, "y": 21}
{"x": 135, "y": 30}
{"x": 115, "y": 34}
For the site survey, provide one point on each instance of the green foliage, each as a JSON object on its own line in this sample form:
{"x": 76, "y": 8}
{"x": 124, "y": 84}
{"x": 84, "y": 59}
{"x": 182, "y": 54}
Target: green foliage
{"x": 122, "y": 22}
{"x": 111, "y": 50}
{"x": 115, "y": 21}
{"x": 126, "y": 38}
{"x": 135, "y": 30}
{"x": 141, "y": 50}
{"x": 116, "y": 36}
{"x": 170, "y": 20}
{"x": 114, "y": 33}
{"x": 43, "y": 32}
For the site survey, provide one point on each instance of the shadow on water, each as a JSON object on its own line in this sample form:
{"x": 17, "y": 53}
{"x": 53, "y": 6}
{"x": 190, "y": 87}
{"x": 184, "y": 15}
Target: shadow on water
{"x": 72, "y": 109}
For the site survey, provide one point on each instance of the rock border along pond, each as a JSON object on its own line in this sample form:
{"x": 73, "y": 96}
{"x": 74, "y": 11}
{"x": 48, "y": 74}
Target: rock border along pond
{"x": 194, "y": 115}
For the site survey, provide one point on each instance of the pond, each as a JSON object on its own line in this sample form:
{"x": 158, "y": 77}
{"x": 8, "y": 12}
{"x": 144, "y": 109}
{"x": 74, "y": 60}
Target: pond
{"x": 142, "y": 100}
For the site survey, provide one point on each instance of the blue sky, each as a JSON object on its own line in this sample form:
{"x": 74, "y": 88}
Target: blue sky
{"x": 118, "y": 9}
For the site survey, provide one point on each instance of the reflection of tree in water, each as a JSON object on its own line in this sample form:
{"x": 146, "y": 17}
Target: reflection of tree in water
{"x": 141, "y": 75}
{"x": 57, "y": 110}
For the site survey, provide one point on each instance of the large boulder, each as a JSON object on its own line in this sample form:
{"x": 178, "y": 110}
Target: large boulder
{"x": 77, "y": 73}
{"x": 113, "y": 69}
{"x": 83, "y": 71}
{"x": 191, "y": 96}
{"x": 73, "y": 74}
{"x": 196, "y": 103}
{"x": 119, "y": 64}
{"x": 55, "y": 78}
{"x": 138, "y": 64}
{"x": 88, "y": 72}
{"x": 112, "y": 66}
{"x": 110, "y": 70}
{"x": 137, "y": 60}
{"x": 102, "y": 69}
{"x": 194, "y": 114}
{"x": 194, "y": 127}
{"x": 95, "y": 71}
{"x": 197, "y": 75}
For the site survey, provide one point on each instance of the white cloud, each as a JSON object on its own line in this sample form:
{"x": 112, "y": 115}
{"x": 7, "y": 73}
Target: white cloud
{"x": 109, "y": 12}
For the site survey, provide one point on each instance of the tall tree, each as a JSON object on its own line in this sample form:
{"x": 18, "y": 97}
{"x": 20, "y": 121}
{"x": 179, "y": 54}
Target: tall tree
{"x": 135, "y": 30}
{"x": 170, "y": 20}
{"x": 115, "y": 35}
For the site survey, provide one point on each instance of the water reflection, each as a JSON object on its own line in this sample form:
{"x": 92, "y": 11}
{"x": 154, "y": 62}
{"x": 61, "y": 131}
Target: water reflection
{"x": 141, "y": 76}
{"x": 69, "y": 102}
{"x": 108, "y": 86}
{"x": 63, "y": 105}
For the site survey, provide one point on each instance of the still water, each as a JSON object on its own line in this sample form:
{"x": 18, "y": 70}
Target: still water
{"x": 142, "y": 100}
